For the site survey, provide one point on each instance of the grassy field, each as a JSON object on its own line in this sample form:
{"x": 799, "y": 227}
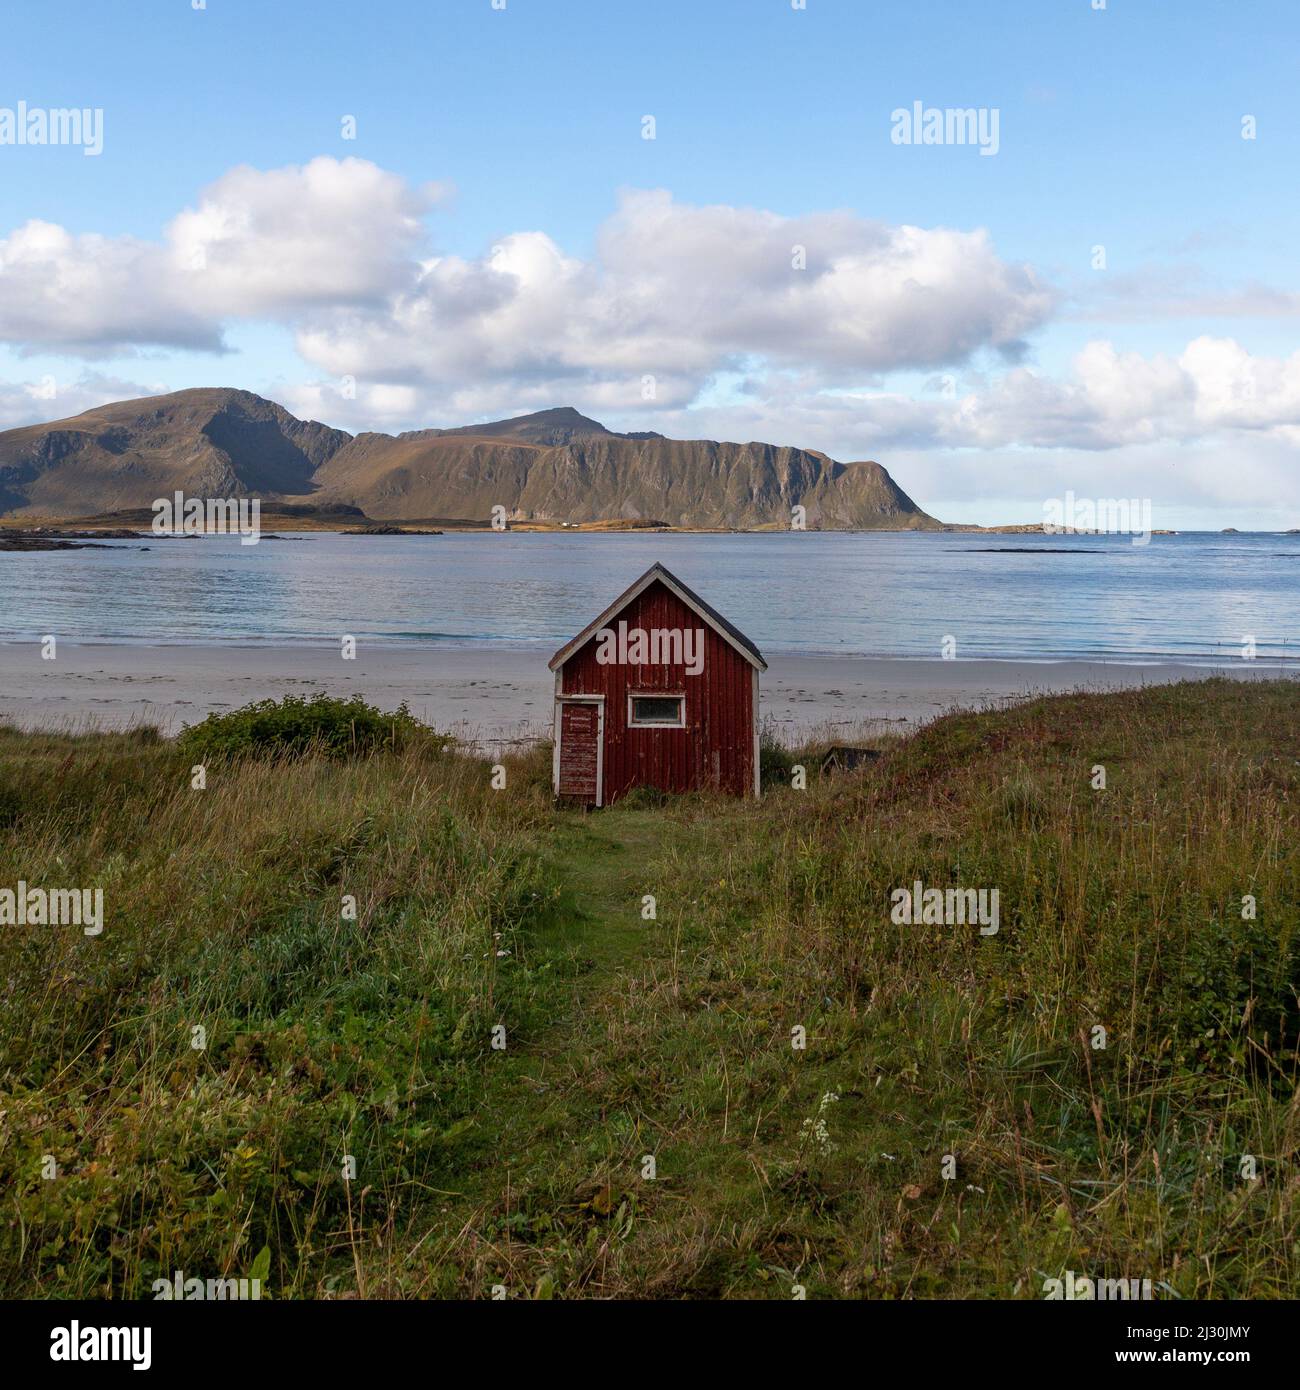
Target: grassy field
{"x": 1107, "y": 1085}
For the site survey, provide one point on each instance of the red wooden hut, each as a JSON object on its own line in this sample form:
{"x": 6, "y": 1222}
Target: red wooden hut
{"x": 659, "y": 691}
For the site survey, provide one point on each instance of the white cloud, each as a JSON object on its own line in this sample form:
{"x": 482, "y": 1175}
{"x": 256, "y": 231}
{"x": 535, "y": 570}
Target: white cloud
{"x": 92, "y": 295}
{"x": 259, "y": 244}
{"x": 47, "y": 398}
{"x": 1118, "y": 398}
{"x": 872, "y": 297}
{"x": 272, "y": 243}
{"x": 336, "y": 250}
{"x": 678, "y": 293}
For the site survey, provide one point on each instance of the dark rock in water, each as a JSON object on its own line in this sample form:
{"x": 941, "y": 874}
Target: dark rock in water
{"x": 11, "y": 542}
{"x": 387, "y": 531}
{"x": 55, "y": 538}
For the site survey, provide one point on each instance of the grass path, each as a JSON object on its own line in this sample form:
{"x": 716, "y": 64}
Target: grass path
{"x": 609, "y": 862}
{"x": 548, "y": 1138}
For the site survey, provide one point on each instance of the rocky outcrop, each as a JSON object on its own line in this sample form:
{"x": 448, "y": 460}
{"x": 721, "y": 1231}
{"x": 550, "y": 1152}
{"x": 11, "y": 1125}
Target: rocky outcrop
{"x": 555, "y": 465}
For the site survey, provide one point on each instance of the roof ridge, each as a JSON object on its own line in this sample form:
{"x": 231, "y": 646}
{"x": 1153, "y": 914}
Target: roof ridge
{"x": 706, "y": 610}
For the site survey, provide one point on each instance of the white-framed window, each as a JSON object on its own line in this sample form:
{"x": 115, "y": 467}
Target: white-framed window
{"x": 655, "y": 709}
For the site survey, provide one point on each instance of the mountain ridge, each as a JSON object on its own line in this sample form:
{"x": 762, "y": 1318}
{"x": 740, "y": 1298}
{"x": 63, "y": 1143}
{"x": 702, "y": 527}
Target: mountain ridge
{"x": 554, "y": 465}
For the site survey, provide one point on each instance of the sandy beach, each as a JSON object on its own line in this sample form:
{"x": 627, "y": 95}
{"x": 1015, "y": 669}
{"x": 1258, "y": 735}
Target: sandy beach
{"x": 497, "y": 696}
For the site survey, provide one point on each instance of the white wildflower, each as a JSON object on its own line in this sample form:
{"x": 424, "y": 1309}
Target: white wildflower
{"x": 814, "y": 1127}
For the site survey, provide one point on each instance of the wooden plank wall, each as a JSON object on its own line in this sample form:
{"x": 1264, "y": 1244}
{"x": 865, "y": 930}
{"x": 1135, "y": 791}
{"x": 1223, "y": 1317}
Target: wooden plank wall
{"x": 716, "y": 748}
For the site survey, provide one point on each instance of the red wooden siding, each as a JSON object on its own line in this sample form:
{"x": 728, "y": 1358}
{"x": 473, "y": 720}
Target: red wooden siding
{"x": 579, "y": 750}
{"x": 715, "y": 749}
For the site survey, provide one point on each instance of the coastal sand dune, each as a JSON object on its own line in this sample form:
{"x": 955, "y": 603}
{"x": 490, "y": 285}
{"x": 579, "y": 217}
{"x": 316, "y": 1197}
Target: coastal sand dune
{"x": 495, "y": 696}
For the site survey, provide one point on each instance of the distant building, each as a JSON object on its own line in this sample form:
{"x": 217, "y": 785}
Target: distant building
{"x": 659, "y": 691}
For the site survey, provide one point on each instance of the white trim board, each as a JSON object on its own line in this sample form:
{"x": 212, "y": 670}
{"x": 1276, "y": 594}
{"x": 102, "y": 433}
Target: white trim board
{"x": 599, "y": 702}
{"x": 655, "y": 695}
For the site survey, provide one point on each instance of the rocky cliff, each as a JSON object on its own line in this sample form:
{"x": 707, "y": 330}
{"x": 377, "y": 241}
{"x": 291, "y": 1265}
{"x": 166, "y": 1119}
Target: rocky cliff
{"x": 555, "y": 465}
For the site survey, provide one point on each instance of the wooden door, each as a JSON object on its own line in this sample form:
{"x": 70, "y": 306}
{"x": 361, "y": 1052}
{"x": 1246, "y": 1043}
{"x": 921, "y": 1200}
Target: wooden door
{"x": 580, "y": 752}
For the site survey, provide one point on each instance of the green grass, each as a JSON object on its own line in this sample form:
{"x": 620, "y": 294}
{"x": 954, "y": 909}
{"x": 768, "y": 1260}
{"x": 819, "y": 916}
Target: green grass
{"x": 626, "y": 1037}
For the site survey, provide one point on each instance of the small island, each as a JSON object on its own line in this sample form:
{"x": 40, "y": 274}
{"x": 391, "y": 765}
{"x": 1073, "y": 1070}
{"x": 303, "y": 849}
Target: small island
{"x": 387, "y": 531}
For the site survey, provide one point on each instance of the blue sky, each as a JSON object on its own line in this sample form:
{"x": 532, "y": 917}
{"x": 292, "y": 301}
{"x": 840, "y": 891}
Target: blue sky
{"x": 481, "y": 128}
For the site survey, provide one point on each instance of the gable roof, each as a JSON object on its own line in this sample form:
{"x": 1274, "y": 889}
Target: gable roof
{"x": 689, "y": 597}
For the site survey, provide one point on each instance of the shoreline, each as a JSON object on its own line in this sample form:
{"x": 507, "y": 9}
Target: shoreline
{"x": 497, "y": 696}
{"x": 120, "y": 528}
{"x": 544, "y": 648}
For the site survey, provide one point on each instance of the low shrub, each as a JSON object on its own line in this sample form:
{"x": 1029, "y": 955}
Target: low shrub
{"x": 299, "y": 724}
